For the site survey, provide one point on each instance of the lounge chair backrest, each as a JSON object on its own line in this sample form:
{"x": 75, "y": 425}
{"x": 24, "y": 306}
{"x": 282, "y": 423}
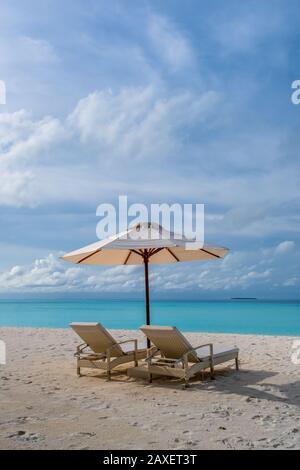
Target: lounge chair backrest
{"x": 170, "y": 341}
{"x": 97, "y": 337}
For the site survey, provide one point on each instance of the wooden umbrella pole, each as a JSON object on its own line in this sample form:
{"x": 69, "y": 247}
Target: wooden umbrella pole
{"x": 146, "y": 266}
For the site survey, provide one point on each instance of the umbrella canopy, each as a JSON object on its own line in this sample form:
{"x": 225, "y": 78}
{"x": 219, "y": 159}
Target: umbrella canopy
{"x": 148, "y": 240}
{"x": 145, "y": 243}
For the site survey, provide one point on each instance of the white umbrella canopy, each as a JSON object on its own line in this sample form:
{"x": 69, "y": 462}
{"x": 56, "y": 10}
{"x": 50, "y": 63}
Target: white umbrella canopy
{"x": 145, "y": 243}
{"x": 151, "y": 240}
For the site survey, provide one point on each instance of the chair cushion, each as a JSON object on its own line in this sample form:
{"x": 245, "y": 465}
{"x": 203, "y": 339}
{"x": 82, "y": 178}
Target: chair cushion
{"x": 203, "y": 353}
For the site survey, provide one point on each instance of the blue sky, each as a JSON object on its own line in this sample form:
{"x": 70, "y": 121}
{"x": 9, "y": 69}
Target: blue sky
{"x": 165, "y": 102}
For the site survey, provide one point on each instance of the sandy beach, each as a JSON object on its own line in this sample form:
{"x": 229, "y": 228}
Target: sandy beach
{"x": 45, "y": 406}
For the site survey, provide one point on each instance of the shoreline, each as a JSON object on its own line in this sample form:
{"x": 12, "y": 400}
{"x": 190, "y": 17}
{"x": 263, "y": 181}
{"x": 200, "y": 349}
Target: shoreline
{"x": 142, "y": 300}
{"x": 127, "y": 330}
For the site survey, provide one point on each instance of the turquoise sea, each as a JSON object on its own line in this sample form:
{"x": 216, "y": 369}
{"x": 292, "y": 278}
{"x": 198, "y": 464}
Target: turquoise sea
{"x": 257, "y": 317}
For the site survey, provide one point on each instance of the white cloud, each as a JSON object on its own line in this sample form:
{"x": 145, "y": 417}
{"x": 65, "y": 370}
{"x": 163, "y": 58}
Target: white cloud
{"x": 135, "y": 124}
{"x": 24, "y": 143}
{"x": 291, "y": 282}
{"x": 153, "y": 136}
{"x": 170, "y": 44}
{"x": 52, "y": 275}
{"x": 14, "y": 187}
{"x": 22, "y": 138}
{"x": 172, "y": 141}
{"x": 238, "y": 272}
{"x": 141, "y": 123}
{"x": 285, "y": 247}
{"x": 255, "y": 270}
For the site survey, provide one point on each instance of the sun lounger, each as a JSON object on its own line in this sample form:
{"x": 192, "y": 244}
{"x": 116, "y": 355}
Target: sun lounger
{"x": 174, "y": 356}
{"x": 101, "y": 351}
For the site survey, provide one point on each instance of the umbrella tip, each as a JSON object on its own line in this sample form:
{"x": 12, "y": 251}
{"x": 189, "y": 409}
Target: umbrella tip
{"x": 148, "y": 225}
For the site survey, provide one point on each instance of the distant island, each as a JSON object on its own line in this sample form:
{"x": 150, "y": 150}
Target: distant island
{"x": 243, "y": 298}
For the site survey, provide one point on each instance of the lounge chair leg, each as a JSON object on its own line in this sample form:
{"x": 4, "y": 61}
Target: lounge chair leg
{"x": 237, "y": 363}
{"x": 108, "y": 364}
{"x": 78, "y": 369}
{"x": 150, "y": 378}
{"x": 186, "y": 383}
{"x": 212, "y": 371}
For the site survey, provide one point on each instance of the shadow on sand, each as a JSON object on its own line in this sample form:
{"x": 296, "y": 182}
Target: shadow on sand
{"x": 250, "y": 384}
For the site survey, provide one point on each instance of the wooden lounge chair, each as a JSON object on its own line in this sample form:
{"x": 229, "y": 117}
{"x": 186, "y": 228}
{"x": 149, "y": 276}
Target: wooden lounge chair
{"x": 104, "y": 351}
{"x": 174, "y": 356}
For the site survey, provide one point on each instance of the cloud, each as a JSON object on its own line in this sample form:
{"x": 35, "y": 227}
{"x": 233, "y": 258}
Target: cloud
{"x": 153, "y": 135}
{"x": 240, "y": 271}
{"x": 284, "y": 247}
{"x": 257, "y": 217}
{"x": 24, "y": 144}
{"x": 52, "y": 275}
{"x": 163, "y": 104}
{"x": 21, "y": 138}
{"x": 291, "y": 282}
{"x": 141, "y": 123}
{"x": 170, "y": 44}
{"x": 14, "y": 187}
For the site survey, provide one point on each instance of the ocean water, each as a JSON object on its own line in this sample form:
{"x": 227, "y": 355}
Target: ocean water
{"x": 256, "y": 317}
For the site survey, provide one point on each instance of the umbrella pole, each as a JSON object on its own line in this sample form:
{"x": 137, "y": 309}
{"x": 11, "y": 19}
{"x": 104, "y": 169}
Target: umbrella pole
{"x": 146, "y": 264}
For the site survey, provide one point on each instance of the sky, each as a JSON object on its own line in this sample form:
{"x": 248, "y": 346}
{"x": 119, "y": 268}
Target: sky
{"x": 163, "y": 101}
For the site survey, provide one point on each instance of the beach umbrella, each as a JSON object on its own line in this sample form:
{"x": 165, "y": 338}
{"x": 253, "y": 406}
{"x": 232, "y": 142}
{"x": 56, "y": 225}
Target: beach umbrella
{"x": 143, "y": 244}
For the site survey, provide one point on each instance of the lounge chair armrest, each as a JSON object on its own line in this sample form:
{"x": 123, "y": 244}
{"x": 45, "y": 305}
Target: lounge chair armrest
{"x": 151, "y": 353}
{"x": 80, "y": 349}
{"x": 204, "y": 346}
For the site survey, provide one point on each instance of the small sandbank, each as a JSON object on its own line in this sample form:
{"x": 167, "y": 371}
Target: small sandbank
{"x": 45, "y": 406}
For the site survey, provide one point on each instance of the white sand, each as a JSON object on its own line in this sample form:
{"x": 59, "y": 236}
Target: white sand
{"x": 43, "y": 405}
